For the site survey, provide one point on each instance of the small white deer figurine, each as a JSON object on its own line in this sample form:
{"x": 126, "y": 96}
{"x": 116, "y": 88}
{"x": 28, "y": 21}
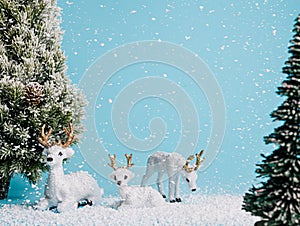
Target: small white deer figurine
{"x": 65, "y": 191}
{"x": 173, "y": 164}
{"x": 133, "y": 196}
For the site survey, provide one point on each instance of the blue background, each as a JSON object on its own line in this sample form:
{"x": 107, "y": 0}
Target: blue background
{"x": 244, "y": 43}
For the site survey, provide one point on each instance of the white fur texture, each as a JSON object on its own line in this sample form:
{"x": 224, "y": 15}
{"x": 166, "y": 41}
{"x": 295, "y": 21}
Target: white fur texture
{"x": 135, "y": 196}
{"x": 65, "y": 191}
{"x": 172, "y": 165}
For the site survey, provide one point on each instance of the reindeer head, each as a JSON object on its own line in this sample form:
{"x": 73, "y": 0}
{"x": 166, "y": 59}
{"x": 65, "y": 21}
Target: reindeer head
{"x": 57, "y": 152}
{"x": 190, "y": 172}
{"x": 121, "y": 175}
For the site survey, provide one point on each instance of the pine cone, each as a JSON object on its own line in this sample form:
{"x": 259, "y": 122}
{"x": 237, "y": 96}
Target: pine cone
{"x": 33, "y": 93}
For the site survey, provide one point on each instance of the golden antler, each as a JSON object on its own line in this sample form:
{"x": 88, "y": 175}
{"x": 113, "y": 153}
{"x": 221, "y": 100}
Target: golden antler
{"x": 113, "y": 161}
{"x": 186, "y": 166}
{"x": 43, "y": 139}
{"x": 71, "y": 136}
{"x": 198, "y": 160}
{"x": 129, "y": 163}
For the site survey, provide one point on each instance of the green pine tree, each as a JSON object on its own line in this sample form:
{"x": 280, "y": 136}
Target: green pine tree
{"x": 277, "y": 199}
{"x": 34, "y": 89}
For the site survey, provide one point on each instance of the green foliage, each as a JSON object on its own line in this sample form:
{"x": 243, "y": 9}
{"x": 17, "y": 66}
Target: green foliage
{"x": 30, "y": 51}
{"x": 277, "y": 198}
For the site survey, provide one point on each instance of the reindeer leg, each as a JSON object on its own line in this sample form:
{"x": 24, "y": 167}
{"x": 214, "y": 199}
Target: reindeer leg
{"x": 144, "y": 180}
{"x": 160, "y": 184}
{"x": 177, "y": 188}
{"x": 148, "y": 174}
{"x": 171, "y": 189}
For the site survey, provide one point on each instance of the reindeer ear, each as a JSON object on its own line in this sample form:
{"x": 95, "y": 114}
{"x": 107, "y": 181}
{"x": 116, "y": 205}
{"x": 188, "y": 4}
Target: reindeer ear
{"x": 112, "y": 175}
{"x": 69, "y": 152}
{"x": 45, "y": 152}
{"x": 130, "y": 175}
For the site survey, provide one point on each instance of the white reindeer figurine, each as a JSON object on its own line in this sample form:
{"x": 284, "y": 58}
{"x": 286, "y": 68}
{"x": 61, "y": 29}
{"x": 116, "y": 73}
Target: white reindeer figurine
{"x": 133, "y": 196}
{"x": 65, "y": 192}
{"x": 173, "y": 164}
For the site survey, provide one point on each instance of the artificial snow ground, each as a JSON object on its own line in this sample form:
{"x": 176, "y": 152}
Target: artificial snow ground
{"x": 194, "y": 210}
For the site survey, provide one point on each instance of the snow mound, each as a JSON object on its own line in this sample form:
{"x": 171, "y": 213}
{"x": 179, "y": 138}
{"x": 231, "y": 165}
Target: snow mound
{"x": 195, "y": 210}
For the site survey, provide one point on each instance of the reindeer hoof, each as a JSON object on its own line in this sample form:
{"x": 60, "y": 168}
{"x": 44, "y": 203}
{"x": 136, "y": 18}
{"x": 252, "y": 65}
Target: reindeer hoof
{"x": 53, "y": 208}
{"x": 164, "y": 196}
{"x": 178, "y": 199}
{"x": 172, "y": 201}
{"x": 90, "y": 202}
{"x": 85, "y": 202}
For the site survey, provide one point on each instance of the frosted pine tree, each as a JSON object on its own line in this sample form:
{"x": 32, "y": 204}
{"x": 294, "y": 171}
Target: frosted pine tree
{"x": 277, "y": 199}
{"x": 34, "y": 89}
